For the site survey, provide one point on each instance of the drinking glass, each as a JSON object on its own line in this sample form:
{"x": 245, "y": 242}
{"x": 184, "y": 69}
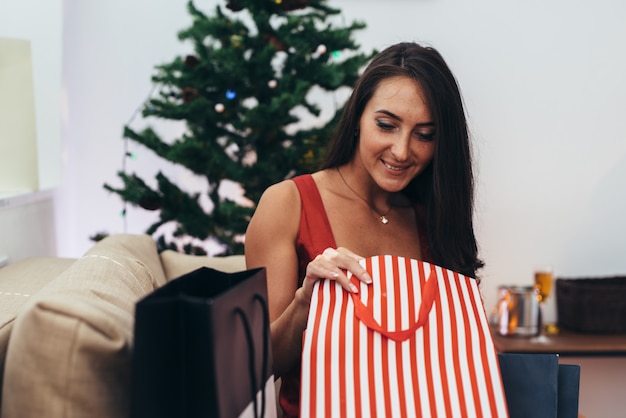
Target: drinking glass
{"x": 543, "y": 283}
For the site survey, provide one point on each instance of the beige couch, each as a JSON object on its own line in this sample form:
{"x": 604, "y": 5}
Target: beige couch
{"x": 66, "y": 326}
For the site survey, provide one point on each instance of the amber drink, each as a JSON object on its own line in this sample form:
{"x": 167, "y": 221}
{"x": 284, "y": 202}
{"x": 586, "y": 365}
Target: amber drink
{"x": 543, "y": 283}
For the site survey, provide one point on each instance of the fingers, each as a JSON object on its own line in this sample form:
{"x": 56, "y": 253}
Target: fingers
{"x": 354, "y": 265}
{"x": 333, "y": 263}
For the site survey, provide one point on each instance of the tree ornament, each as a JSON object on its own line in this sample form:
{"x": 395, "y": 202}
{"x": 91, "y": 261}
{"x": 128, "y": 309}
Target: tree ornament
{"x": 274, "y": 41}
{"x": 236, "y": 40}
{"x": 321, "y": 49}
{"x": 219, "y": 107}
{"x": 150, "y": 203}
{"x": 191, "y": 61}
{"x": 272, "y": 84}
{"x": 234, "y": 5}
{"x": 189, "y": 94}
{"x": 288, "y": 5}
{"x": 231, "y": 94}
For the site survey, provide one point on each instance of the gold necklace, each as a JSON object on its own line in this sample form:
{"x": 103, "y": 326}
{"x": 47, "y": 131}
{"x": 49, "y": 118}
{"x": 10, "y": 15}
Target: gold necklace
{"x": 383, "y": 218}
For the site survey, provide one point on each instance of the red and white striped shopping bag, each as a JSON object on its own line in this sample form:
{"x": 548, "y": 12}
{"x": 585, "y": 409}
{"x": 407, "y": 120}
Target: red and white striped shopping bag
{"x": 414, "y": 343}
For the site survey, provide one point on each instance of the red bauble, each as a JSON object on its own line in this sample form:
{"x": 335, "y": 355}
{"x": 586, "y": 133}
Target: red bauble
{"x": 191, "y": 61}
{"x": 189, "y": 94}
{"x": 274, "y": 41}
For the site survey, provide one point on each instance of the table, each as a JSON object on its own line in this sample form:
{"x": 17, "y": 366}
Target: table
{"x": 566, "y": 343}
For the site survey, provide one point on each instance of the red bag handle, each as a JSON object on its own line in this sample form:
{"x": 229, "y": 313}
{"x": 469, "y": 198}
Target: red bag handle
{"x": 366, "y": 316}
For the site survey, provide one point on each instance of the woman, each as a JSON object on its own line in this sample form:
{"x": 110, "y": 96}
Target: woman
{"x": 397, "y": 180}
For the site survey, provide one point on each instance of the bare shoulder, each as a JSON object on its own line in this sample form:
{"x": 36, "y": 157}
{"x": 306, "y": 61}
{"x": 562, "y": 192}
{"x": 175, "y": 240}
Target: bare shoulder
{"x": 280, "y": 201}
{"x": 276, "y": 218}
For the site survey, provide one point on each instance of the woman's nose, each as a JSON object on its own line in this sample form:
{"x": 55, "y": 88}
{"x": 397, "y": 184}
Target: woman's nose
{"x": 400, "y": 149}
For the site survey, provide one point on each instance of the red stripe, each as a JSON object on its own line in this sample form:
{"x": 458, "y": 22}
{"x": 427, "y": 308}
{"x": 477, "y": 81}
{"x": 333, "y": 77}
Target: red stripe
{"x": 413, "y": 341}
{"x": 427, "y": 357}
{"x": 342, "y": 355}
{"x": 314, "y": 333}
{"x": 442, "y": 347}
{"x": 397, "y": 307}
{"x": 329, "y": 391}
{"x": 398, "y": 318}
{"x": 455, "y": 342}
{"x": 370, "y": 362}
{"x": 358, "y": 353}
{"x": 384, "y": 342}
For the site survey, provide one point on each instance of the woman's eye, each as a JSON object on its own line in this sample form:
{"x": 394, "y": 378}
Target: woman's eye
{"x": 384, "y": 126}
{"x": 425, "y": 136}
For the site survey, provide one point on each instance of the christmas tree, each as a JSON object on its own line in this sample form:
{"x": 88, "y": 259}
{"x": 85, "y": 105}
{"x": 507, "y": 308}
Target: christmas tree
{"x": 243, "y": 95}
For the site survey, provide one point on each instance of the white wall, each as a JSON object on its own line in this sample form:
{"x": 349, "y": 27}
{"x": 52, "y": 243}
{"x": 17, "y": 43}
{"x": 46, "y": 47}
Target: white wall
{"x": 543, "y": 84}
{"x": 110, "y": 50}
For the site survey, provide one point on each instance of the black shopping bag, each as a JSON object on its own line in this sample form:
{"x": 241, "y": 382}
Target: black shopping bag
{"x": 537, "y": 386}
{"x": 202, "y": 348}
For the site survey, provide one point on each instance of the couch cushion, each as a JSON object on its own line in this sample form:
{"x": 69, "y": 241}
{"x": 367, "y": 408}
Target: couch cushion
{"x": 176, "y": 264}
{"x": 69, "y": 352}
{"x": 18, "y": 282}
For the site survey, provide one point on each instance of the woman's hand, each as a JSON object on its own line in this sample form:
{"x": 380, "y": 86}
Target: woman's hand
{"x": 333, "y": 264}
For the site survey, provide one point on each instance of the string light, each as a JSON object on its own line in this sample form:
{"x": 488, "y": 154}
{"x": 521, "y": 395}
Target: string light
{"x": 132, "y": 155}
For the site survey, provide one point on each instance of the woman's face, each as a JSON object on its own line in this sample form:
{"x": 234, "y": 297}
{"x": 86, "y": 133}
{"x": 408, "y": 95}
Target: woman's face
{"x": 396, "y": 141}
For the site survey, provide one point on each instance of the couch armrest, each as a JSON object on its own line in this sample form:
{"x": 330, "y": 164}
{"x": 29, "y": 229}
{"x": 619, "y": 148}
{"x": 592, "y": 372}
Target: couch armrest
{"x": 70, "y": 350}
{"x": 176, "y": 264}
{"x": 18, "y": 282}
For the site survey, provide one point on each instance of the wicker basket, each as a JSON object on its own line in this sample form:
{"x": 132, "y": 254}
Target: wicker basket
{"x": 592, "y": 305}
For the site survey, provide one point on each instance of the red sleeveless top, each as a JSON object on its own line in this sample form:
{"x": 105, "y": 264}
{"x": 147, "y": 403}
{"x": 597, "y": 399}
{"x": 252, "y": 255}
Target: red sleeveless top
{"x": 314, "y": 236}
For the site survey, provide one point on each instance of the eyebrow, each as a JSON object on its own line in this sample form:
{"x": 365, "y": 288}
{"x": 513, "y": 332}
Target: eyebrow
{"x": 399, "y": 119}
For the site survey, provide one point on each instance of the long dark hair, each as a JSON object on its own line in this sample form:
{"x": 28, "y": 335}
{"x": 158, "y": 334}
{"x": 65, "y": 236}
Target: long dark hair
{"x": 446, "y": 187}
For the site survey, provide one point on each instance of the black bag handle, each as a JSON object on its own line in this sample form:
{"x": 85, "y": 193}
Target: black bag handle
{"x": 251, "y": 353}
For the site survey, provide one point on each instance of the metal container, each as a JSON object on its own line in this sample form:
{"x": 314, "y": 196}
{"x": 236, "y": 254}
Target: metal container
{"x": 517, "y": 311}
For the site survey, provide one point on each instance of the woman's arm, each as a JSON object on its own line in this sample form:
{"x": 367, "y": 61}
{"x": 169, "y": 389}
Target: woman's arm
{"x": 271, "y": 243}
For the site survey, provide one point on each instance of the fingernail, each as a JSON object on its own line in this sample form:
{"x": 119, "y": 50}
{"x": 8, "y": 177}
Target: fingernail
{"x": 353, "y": 288}
{"x": 367, "y": 278}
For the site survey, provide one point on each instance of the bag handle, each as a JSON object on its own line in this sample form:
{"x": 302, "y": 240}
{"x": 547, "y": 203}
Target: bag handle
{"x": 251, "y": 354}
{"x": 366, "y": 316}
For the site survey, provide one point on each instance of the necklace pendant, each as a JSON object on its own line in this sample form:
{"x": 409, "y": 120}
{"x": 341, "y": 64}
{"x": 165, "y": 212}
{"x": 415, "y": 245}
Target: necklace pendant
{"x": 384, "y": 220}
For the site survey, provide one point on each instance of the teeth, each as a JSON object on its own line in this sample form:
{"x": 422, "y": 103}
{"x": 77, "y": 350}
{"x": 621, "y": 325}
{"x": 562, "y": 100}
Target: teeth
{"x": 392, "y": 167}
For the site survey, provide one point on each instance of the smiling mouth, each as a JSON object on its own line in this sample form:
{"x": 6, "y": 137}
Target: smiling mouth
{"x": 393, "y": 167}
